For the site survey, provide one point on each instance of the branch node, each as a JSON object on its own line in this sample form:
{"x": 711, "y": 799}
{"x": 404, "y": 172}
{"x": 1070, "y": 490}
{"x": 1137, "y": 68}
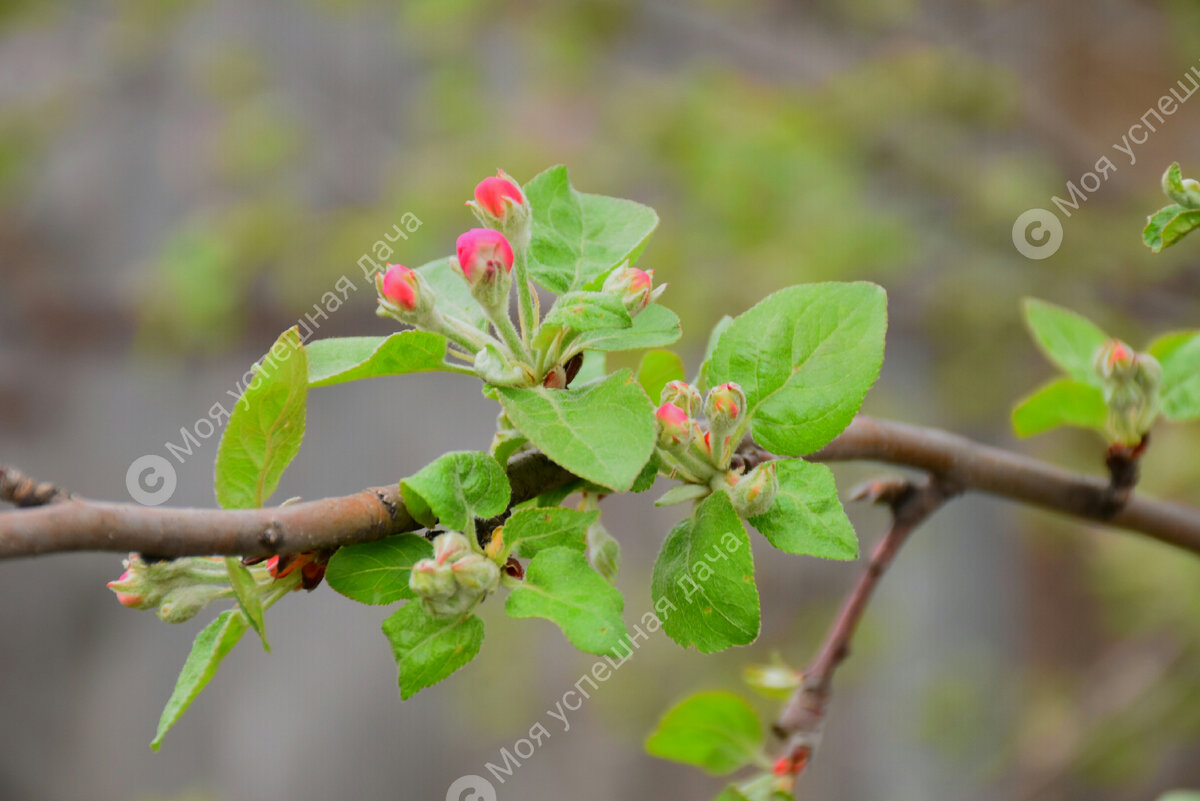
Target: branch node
{"x": 22, "y": 491}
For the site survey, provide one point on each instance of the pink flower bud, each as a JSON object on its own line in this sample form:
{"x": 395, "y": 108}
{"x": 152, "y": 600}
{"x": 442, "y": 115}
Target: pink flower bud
{"x": 1114, "y": 358}
{"x": 491, "y": 194}
{"x": 753, "y": 493}
{"x": 683, "y": 395}
{"x": 125, "y": 598}
{"x": 635, "y": 288}
{"x": 400, "y": 287}
{"x": 674, "y": 425}
{"x": 482, "y": 253}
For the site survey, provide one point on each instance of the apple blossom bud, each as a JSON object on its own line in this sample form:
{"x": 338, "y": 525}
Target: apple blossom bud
{"x": 476, "y": 572}
{"x": 1114, "y": 358}
{"x": 185, "y": 603}
{"x": 497, "y": 195}
{"x": 400, "y": 286}
{"x": 675, "y": 428}
{"x": 485, "y": 259}
{"x": 683, "y": 395}
{"x": 405, "y": 295}
{"x": 429, "y": 579}
{"x": 500, "y": 204}
{"x": 753, "y": 493}
{"x": 127, "y": 599}
{"x": 449, "y": 546}
{"x": 725, "y": 407}
{"x": 634, "y": 287}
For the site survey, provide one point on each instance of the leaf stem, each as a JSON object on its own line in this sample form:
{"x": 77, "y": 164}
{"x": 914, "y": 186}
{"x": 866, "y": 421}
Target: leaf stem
{"x": 525, "y": 313}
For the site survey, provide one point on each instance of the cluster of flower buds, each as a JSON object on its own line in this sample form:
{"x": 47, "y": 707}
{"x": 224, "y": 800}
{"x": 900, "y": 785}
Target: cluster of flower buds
{"x": 1131, "y": 384}
{"x": 177, "y": 589}
{"x": 634, "y": 287}
{"x": 703, "y": 454}
{"x": 455, "y": 579}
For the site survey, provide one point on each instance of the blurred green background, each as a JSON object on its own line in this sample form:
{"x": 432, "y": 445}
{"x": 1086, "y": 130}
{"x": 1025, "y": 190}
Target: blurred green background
{"x": 180, "y": 180}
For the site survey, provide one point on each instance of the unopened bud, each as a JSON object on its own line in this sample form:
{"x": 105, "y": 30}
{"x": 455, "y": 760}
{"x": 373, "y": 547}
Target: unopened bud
{"x": 500, "y": 204}
{"x": 185, "y": 603}
{"x": 634, "y": 287}
{"x": 725, "y": 407}
{"x": 754, "y": 492}
{"x": 683, "y": 395}
{"x": 476, "y": 572}
{"x": 429, "y": 579}
{"x": 675, "y": 428}
{"x": 405, "y": 295}
{"x": 1114, "y": 359}
{"x": 497, "y": 195}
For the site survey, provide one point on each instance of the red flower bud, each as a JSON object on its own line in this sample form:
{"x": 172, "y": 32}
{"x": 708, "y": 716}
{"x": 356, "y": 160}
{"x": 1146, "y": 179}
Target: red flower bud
{"x": 491, "y": 193}
{"x": 125, "y": 598}
{"x": 400, "y": 286}
{"x": 481, "y": 254}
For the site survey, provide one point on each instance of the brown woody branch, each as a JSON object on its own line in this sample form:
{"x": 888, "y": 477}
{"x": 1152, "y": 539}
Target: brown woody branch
{"x": 83, "y": 525}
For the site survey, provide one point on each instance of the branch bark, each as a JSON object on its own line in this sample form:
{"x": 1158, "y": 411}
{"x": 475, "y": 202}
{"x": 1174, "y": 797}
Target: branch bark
{"x": 76, "y": 524}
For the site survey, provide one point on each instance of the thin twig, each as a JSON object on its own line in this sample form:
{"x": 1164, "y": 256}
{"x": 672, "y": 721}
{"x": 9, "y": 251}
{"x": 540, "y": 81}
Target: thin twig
{"x": 801, "y": 722}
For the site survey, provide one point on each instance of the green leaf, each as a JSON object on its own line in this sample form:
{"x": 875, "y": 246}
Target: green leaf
{"x": 706, "y": 571}
{"x": 342, "y": 359}
{"x": 807, "y": 518}
{"x": 805, "y": 356}
{"x": 428, "y": 649}
{"x": 603, "y": 432}
{"x": 530, "y": 531}
{"x": 681, "y": 493}
{"x": 1179, "y": 355}
{"x": 579, "y": 237}
{"x": 588, "y": 311}
{"x": 245, "y": 589}
{"x": 1063, "y": 402}
{"x": 1181, "y": 795}
{"x": 731, "y": 793}
{"x": 455, "y": 489}
{"x": 716, "y": 731}
{"x": 1170, "y": 225}
{"x": 561, "y": 587}
{"x": 265, "y": 428}
{"x": 452, "y": 292}
{"x": 657, "y": 369}
{"x": 210, "y": 647}
{"x": 1069, "y": 340}
{"x": 702, "y": 383}
{"x": 654, "y": 327}
{"x": 377, "y": 572}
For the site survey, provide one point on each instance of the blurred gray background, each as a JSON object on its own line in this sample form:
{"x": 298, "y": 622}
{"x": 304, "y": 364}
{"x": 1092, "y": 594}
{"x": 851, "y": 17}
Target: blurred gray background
{"x": 180, "y": 181}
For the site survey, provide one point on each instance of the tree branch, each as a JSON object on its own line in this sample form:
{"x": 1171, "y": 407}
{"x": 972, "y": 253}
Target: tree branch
{"x": 802, "y": 719}
{"x": 76, "y": 524}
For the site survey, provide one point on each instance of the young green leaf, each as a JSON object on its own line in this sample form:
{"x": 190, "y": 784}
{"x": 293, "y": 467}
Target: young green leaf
{"x": 1169, "y": 225}
{"x": 530, "y": 531}
{"x": 705, "y": 576}
{"x": 1067, "y": 339}
{"x": 452, "y": 292}
{"x": 265, "y": 428}
{"x": 657, "y": 369}
{"x": 562, "y": 587}
{"x": 377, "y": 572}
{"x": 1179, "y": 355}
{"x": 716, "y": 731}
{"x": 654, "y": 327}
{"x": 805, "y": 356}
{"x": 588, "y": 311}
{"x": 429, "y": 649}
{"x": 342, "y": 359}
{"x": 603, "y": 432}
{"x": 1063, "y": 402}
{"x": 579, "y": 237}
{"x": 210, "y": 647}
{"x": 245, "y": 589}
{"x": 702, "y": 383}
{"x": 456, "y": 488}
{"x": 807, "y": 518}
